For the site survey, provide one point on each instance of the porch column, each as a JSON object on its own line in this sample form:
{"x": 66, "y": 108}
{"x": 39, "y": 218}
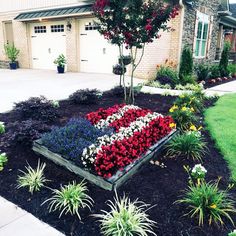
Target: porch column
{"x": 219, "y": 41}
{"x": 233, "y": 43}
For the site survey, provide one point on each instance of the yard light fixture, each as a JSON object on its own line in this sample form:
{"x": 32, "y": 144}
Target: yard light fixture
{"x": 68, "y": 26}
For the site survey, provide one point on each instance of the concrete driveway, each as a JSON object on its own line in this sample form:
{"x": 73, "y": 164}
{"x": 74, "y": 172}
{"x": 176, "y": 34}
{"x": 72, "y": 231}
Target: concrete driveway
{"x": 22, "y": 84}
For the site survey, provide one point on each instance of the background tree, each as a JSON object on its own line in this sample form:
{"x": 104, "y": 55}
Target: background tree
{"x": 131, "y": 24}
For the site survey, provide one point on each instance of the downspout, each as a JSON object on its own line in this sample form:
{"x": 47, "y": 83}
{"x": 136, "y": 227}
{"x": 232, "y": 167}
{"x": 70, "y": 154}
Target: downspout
{"x": 181, "y": 31}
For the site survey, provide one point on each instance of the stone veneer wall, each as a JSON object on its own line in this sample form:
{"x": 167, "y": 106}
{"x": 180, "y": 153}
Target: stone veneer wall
{"x": 209, "y": 7}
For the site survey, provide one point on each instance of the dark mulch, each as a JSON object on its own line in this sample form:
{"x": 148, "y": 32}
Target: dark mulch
{"x": 210, "y": 85}
{"x": 152, "y": 184}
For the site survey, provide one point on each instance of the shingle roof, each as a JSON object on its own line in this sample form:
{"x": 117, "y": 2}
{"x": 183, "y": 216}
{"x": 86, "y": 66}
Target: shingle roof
{"x": 56, "y": 12}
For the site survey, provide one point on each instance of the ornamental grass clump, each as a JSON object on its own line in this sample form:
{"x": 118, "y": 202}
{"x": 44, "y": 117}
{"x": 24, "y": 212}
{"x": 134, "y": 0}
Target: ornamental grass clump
{"x": 126, "y": 218}
{"x": 3, "y": 160}
{"x": 188, "y": 145}
{"x": 33, "y": 179}
{"x": 70, "y": 199}
{"x": 207, "y": 201}
{"x": 183, "y": 116}
{"x": 2, "y": 128}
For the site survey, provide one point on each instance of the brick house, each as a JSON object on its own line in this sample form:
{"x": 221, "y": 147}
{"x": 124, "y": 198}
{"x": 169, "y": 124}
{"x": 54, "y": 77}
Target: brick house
{"x": 43, "y": 29}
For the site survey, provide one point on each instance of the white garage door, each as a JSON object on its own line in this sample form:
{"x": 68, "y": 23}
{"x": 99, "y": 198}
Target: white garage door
{"x": 48, "y": 41}
{"x": 96, "y": 54}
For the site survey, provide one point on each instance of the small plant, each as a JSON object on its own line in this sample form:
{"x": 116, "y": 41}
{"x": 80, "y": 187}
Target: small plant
{"x": 60, "y": 61}
{"x": 2, "y": 128}
{"x": 206, "y": 201}
{"x": 3, "y": 160}
{"x": 11, "y": 52}
{"x": 56, "y": 104}
{"x": 126, "y": 218}
{"x": 188, "y": 79}
{"x": 189, "y": 100}
{"x": 188, "y": 87}
{"x": 85, "y": 96}
{"x": 33, "y": 179}
{"x": 232, "y": 69}
{"x": 183, "y": 116}
{"x": 37, "y": 108}
{"x": 70, "y": 199}
{"x": 224, "y": 61}
{"x": 202, "y": 71}
{"x": 167, "y": 75}
{"x": 189, "y": 145}
{"x": 24, "y": 132}
{"x": 232, "y": 233}
{"x": 186, "y": 64}
{"x": 214, "y": 72}
{"x": 197, "y": 174}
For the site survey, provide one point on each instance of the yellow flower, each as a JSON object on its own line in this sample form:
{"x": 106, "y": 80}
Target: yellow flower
{"x": 213, "y": 206}
{"x": 193, "y": 128}
{"x": 192, "y": 109}
{"x": 173, "y": 108}
{"x": 200, "y": 128}
{"x": 184, "y": 109}
{"x": 172, "y": 125}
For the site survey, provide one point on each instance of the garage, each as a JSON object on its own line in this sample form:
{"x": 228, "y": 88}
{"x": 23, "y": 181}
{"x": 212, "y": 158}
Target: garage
{"x": 48, "y": 41}
{"x": 96, "y": 54}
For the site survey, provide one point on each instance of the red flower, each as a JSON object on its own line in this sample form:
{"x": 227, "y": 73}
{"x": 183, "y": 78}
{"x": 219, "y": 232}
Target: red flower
{"x": 148, "y": 27}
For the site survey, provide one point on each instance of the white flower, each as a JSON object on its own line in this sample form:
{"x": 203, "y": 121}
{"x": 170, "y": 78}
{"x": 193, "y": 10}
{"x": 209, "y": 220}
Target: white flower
{"x": 199, "y": 169}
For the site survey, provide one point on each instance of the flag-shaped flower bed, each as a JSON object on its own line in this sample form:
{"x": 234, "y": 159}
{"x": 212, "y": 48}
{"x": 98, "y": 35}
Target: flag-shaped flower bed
{"x": 109, "y": 145}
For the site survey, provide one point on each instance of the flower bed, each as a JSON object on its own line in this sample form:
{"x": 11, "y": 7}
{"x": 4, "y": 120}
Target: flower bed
{"x": 109, "y": 156}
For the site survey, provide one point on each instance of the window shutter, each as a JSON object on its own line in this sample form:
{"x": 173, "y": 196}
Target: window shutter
{"x": 209, "y": 36}
{"x": 195, "y": 33}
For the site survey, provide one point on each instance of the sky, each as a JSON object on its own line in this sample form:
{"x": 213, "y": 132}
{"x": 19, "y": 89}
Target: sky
{"x": 232, "y": 1}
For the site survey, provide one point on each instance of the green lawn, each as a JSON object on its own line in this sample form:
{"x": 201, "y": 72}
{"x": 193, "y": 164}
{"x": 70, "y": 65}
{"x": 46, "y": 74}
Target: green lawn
{"x": 221, "y": 122}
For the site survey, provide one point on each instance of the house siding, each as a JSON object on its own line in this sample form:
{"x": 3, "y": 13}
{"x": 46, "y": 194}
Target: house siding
{"x": 209, "y": 7}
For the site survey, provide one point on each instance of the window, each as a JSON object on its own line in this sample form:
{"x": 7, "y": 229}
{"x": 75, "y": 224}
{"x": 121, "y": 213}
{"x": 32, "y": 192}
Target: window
{"x": 90, "y": 26}
{"x": 57, "y": 28}
{"x": 201, "y": 34}
{"x": 40, "y": 29}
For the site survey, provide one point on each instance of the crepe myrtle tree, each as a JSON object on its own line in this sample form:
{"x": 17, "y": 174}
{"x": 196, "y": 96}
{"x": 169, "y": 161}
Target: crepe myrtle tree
{"x": 132, "y": 24}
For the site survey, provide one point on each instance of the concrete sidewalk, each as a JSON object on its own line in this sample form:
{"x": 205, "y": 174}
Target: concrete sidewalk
{"x": 15, "y": 221}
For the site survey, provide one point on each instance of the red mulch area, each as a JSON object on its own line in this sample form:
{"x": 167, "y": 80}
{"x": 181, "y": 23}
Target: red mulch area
{"x": 152, "y": 184}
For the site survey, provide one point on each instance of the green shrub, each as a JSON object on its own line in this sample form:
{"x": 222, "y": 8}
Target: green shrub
{"x": 2, "y": 128}
{"x": 206, "y": 201}
{"x": 3, "y": 160}
{"x": 85, "y": 96}
{"x": 167, "y": 75}
{"x": 188, "y": 87}
{"x": 69, "y": 199}
{"x": 232, "y": 233}
{"x": 183, "y": 116}
{"x": 189, "y": 100}
{"x": 186, "y": 64}
{"x": 11, "y": 52}
{"x": 33, "y": 179}
{"x": 214, "y": 72}
{"x": 224, "y": 61}
{"x": 202, "y": 71}
{"x": 157, "y": 84}
{"x": 189, "y": 145}
{"x": 37, "y": 108}
{"x": 60, "y": 61}
{"x": 232, "y": 69}
{"x": 126, "y": 218}
{"x": 187, "y": 79}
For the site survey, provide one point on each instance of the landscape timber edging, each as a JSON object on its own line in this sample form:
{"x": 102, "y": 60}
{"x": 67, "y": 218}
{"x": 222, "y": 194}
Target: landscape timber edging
{"x": 108, "y": 184}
